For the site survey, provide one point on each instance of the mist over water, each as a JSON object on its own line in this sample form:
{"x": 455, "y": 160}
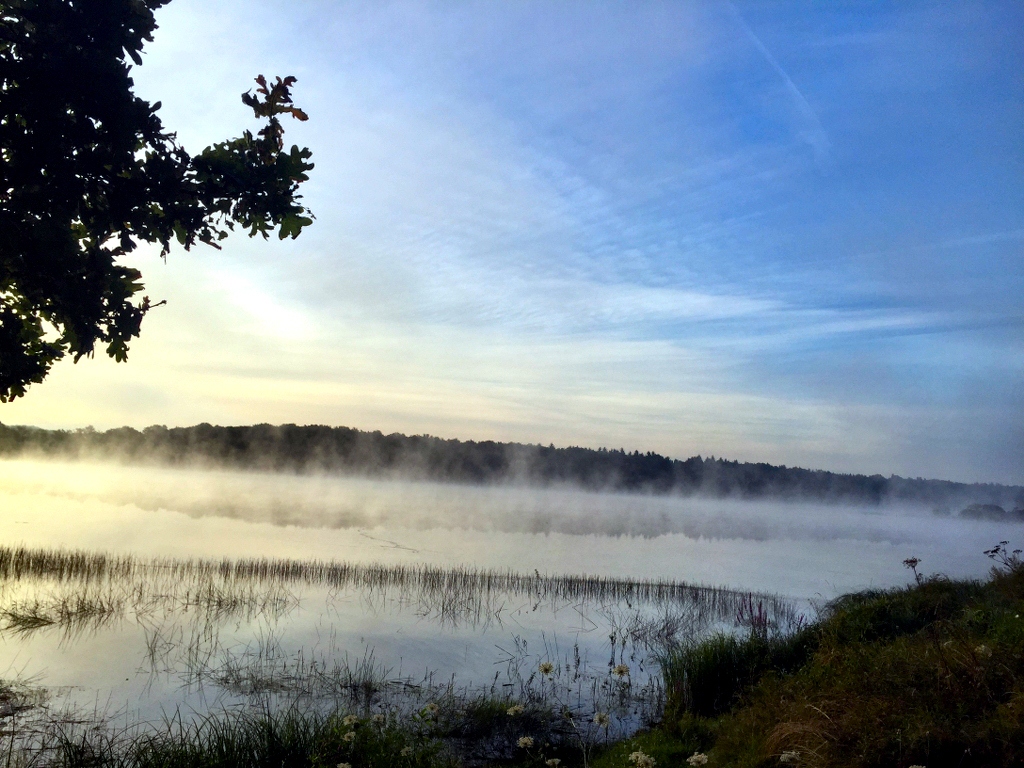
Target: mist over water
{"x": 802, "y": 549}
{"x": 160, "y": 641}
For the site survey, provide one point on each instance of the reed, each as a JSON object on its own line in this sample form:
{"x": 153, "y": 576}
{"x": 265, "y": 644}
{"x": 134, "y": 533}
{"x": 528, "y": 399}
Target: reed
{"x": 448, "y": 593}
{"x": 74, "y": 606}
{"x": 181, "y": 604}
{"x": 242, "y": 739}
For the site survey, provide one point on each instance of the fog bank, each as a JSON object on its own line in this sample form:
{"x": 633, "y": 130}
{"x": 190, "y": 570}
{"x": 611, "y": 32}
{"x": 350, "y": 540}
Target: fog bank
{"x": 801, "y": 549}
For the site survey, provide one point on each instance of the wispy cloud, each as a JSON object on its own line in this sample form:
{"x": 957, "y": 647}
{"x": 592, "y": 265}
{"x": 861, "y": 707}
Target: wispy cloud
{"x": 603, "y": 226}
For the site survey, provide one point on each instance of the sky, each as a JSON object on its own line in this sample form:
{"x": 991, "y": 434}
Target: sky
{"x": 783, "y": 232}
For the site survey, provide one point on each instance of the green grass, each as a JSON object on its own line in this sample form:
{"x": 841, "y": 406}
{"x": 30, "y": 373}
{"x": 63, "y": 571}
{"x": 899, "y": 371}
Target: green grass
{"x": 707, "y": 678}
{"x": 261, "y": 740}
{"x": 668, "y": 747}
{"x": 931, "y": 675}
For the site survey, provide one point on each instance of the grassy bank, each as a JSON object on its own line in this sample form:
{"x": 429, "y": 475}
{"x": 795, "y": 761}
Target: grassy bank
{"x": 928, "y": 675}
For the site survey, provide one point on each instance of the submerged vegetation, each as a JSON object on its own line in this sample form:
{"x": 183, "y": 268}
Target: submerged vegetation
{"x": 214, "y": 631}
{"x": 108, "y": 585}
{"x": 292, "y": 448}
{"x": 185, "y": 607}
{"x": 931, "y": 674}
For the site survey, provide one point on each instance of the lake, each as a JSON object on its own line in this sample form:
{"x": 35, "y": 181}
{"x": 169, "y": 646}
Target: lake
{"x": 395, "y": 594}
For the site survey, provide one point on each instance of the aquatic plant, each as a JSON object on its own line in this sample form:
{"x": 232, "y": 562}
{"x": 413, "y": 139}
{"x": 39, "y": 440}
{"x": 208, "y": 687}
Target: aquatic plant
{"x": 560, "y": 697}
{"x": 247, "y": 739}
{"x": 250, "y": 586}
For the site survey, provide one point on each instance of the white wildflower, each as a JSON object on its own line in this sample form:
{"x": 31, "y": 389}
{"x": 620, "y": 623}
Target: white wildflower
{"x": 406, "y": 751}
{"x": 697, "y": 758}
{"x": 621, "y": 670}
{"x": 546, "y": 667}
{"x": 379, "y": 718}
{"x": 516, "y": 709}
{"x": 525, "y": 742}
{"x": 554, "y": 762}
{"x": 602, "y": 719}
{"x": 350, "y": 736}
{"x": 789, "y": 757}
{"x": 350, "y": 720}
{"x": 641, "y": 760}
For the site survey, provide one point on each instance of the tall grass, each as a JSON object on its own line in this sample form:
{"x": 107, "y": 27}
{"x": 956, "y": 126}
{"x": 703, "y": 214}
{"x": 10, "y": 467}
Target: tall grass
{"x": 73, "y": 607}
{"x": 449, "y": 593}
{"x": 707, "y": 678}
{"x": 254, "y": 739}
{"x": 19, "y": 563}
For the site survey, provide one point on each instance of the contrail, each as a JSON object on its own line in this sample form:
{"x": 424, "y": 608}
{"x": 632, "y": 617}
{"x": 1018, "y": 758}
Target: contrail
{"x": 813, "y": 132}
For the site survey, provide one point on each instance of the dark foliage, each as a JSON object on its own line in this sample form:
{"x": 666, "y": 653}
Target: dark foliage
{"x": 292, "y": 448}
{"x": 708, "y": 678}
{"x": 88, "y": 172}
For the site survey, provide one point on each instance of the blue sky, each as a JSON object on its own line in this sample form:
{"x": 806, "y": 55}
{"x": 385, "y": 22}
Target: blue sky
{"x": 789, "y": 232}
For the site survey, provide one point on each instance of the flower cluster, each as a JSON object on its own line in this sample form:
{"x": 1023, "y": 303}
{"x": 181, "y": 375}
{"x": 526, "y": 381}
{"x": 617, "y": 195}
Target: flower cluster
{"x": 553, "y": 762}
{"x": 516, "y": 709}
{"x": 621, "y": 670}
{"x": 641, "y": 760}
{"x": 697, "y": 758}
{"x": 525, "y": 742}
{"x": 602, "y": 719}
{"x": 350, "y": 720}
{"x": 546, "y": 668}
{"x": 789, "y": 757}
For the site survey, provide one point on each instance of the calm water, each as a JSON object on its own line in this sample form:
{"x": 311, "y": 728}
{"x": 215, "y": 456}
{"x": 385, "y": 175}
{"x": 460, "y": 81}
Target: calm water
{"x": 160, "y": 649}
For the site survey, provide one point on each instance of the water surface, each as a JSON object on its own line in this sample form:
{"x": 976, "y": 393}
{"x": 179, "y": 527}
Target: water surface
{"x": 161, "y": 649}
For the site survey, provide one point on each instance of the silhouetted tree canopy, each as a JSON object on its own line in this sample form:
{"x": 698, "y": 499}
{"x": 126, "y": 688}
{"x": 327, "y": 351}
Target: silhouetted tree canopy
{"x": 88, "y": 172}
{"x": 342, "y": 450}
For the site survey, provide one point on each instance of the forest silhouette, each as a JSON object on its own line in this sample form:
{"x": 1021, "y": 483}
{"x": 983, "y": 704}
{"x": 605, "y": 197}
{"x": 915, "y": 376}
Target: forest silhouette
{"x": 343, "y": 450}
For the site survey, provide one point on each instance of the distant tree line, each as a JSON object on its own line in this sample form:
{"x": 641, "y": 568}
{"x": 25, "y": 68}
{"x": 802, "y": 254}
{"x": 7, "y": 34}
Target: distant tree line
{"x": 312, "y": 449}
